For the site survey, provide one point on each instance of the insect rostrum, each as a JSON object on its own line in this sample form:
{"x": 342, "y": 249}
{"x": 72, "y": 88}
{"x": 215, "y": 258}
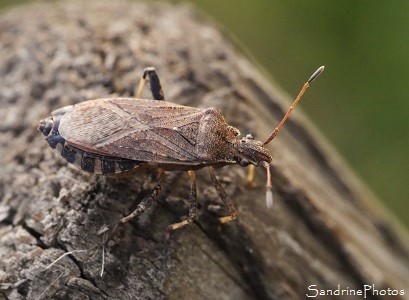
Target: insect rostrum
{"x": 118, "y": 135}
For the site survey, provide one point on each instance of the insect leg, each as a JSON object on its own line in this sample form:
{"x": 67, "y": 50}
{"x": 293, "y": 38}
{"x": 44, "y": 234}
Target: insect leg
{"x": 140, "y": 209}
{"x": 147, "y": 201}
{"x": 250, "y": 176}
{"x": 192, "y": 204}
{"x": 156, "y": 88}
{"x": 225, "y": 198}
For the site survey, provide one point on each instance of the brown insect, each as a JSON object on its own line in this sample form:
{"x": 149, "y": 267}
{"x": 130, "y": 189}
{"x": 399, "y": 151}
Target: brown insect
{"x": 119, "y": 135}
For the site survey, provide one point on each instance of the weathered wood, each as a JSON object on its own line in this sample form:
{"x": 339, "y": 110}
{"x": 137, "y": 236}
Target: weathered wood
{"x": 325, "y": 228}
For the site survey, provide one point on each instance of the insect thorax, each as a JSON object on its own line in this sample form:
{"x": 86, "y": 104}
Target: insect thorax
{"x": 215, "y": 137}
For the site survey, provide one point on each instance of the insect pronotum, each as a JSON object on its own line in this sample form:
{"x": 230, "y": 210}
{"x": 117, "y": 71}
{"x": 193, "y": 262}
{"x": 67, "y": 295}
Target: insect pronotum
{"x": 124, "y": 135}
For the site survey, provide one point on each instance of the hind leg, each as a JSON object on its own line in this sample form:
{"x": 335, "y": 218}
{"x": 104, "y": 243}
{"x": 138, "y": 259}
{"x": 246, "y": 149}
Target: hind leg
{"x": 146, "y": 202}
{"x": 140, "y": 209}
{"x": 156, "y": 88}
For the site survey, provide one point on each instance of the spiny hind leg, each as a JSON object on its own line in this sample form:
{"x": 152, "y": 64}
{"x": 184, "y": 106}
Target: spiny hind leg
{"x": 225, "y": 198}
{"x": 140, "y": 209}
{"x": 147, "y": 201}
{"x": 192, "y": 204}
{"x": 156, "y": 88}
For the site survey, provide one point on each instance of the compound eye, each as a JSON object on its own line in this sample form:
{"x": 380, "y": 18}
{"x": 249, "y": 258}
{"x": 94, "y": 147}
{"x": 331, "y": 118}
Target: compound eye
{"x": 244, "y": 162}
{"x": 249, "y": 137}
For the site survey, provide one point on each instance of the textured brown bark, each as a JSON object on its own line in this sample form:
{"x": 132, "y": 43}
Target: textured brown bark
{"x": 325, "y": 228}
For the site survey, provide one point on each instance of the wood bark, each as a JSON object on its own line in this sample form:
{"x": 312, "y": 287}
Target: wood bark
{"x": 325, "y": 229}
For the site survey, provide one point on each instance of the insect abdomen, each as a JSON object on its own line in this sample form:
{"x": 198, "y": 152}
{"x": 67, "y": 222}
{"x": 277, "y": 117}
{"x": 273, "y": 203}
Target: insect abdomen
{"x": 85, "y": 160}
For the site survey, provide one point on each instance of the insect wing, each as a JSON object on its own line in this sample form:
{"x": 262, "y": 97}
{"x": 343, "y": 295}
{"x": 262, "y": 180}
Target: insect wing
{"x": 137, "y": 129}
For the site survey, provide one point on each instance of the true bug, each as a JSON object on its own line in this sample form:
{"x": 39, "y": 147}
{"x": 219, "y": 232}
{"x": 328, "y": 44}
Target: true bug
{"x": 118, "y": 135}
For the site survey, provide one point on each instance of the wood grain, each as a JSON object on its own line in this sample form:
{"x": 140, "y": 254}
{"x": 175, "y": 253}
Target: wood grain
{"x": 325, "y": 227}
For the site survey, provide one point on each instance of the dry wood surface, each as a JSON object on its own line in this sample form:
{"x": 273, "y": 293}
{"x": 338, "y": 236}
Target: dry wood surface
{"x": 325, "y": 227}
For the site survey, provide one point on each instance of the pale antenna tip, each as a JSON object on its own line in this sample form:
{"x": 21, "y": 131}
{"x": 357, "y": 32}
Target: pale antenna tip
{"x": 269, "y": 198}
{"x": 316, "y": 74}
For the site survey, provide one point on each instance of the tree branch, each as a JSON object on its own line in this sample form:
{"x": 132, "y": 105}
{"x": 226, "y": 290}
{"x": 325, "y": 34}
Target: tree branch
{"x": 325, "y": 228}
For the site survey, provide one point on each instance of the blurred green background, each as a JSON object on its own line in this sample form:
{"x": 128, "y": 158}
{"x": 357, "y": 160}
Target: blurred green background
{"x": 361, "y": 103}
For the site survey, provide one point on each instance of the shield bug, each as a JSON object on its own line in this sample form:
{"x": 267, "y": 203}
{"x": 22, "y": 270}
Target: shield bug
{"x": 120, "y": 135}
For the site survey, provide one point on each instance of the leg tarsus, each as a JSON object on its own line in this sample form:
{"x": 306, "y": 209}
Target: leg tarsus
{"x": 227, "y": 219}
{"x": 156, "y": 88}
{"x": 225, "y": 198}
{"x": 192, "y": 204}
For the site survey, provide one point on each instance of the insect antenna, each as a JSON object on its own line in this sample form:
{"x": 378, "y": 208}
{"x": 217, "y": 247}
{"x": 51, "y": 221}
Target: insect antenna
{"x": 300, "y": 94}
{"x": 269, "y": 193}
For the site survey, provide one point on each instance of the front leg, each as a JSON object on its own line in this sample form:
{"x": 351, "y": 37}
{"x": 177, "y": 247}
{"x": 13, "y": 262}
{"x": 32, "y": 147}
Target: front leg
{"x": 192, "y": 204}
{"x": 156, "y": 88}
{"x": 250, "y": 176}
